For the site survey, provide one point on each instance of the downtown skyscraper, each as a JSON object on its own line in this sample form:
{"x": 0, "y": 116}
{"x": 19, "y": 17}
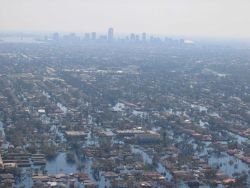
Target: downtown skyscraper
{"x": 110, "y": 34}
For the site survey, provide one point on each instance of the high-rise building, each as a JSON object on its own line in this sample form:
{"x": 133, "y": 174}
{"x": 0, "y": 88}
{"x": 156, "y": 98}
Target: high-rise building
{"x": 93, "y": 35}
{"x": 144, "y": 36}
{"x": 137, "y": 38}
{"x": 110, "y": 34}
{"x": 87, "y": 36}
{"x": 132, "y": 36}
{"x": 55, "y": 36}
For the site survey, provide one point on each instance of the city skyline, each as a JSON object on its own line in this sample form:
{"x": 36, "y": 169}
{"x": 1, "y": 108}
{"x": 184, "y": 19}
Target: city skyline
{"x": 110, "y": 37}
{"x": 124, "y": 93}
{"x": 181, "y": 18}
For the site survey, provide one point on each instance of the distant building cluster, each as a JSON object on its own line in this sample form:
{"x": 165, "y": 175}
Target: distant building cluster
{"x": 110, "y": 37}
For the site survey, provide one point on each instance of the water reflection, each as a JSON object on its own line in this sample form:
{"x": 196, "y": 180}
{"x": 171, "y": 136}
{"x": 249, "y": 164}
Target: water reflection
{"x": 59, "y": 165}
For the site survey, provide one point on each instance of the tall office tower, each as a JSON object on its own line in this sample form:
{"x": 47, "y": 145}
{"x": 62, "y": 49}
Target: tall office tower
{"x": 144, "y": 36}
{"x": 93, "y": 35}
{"x": 132, "y": 36}
{"x": 110, "y": 34}
{"x": 55, "y": 36}
{"x": 87, "y": 36}
{"x": 137, "y": 38}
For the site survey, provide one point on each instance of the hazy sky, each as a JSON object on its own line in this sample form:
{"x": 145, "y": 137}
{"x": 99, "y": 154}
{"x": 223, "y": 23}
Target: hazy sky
{"x": 171, "y": 17}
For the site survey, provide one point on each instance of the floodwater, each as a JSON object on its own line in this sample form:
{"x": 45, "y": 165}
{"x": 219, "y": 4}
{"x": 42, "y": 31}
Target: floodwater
{"x": 60, "y": 165}
{"x": 226, "y": 163}
{"x": 148, "y": 160}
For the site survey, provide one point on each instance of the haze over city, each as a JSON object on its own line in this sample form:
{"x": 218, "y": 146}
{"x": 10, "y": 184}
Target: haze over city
{"x": 207, "y": 18}
{"x": 124, "y": 94}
